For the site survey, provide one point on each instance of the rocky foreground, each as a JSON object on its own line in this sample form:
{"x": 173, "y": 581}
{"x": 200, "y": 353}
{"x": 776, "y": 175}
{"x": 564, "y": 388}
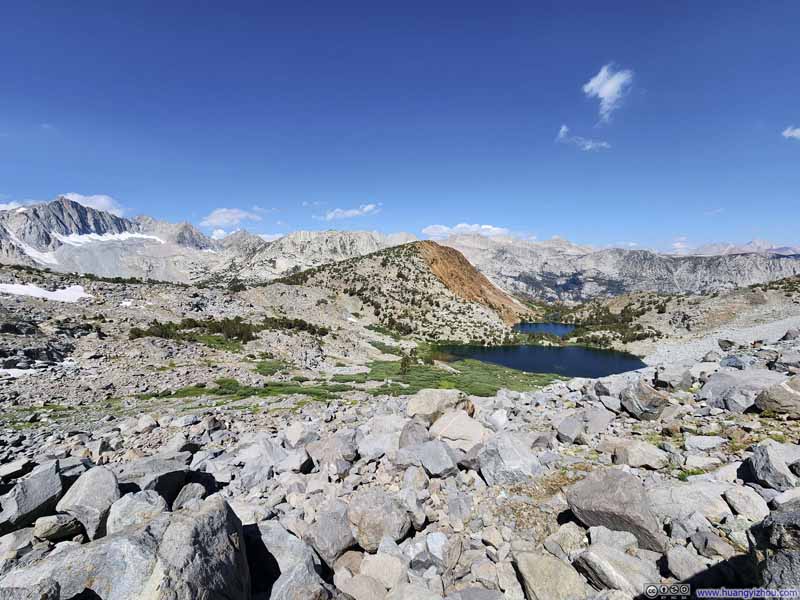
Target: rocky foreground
{"x": 582, "y": 489}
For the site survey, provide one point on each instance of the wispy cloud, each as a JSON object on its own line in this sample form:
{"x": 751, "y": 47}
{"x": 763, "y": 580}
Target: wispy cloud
{"x": 270, "y": 237}
{"x": 438, "y": 232}
{"x": 14, "y": 204}
{"x": 713, "y": 212}
{"x": 608, "y": 86}
{"x": 98, "y": 201}
{"x": 221, "y": 218}
{"x": 791, "y": 133}
{"x": 46, "y": 126}
{"x": 349, "y": 213}
{"x": 583, "y": 143}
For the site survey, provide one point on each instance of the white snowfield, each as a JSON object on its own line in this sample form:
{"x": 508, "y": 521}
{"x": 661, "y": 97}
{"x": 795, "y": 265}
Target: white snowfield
{"x": 46, "y": 258}
{"x": 70, "y": 294}
{"x": 81, "y": 239}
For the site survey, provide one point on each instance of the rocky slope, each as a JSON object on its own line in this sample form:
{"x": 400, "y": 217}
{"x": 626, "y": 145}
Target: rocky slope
{"x": 303, "y": 250}
{"x": 424, "y": 289}
{"x": 558, "y": 270}
{"x": 179, "y": 468}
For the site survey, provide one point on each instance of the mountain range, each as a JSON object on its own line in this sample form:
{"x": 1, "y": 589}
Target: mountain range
{"x": 66, "y": 236}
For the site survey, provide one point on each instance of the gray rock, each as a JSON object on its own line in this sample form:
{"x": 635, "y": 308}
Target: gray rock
{"x": 643, "y": 401}
{"x": 710, "y": 545}
{"x": 545, "y": 577}
{"x": 568, "y": 541}
{"x": 684, "y": 563}
{"x": 330, "y": 535}
{"x": 90, "y": 498}
{"x": 736, "y": 391}
{"x": 769, "y": 466}
{"x": 506, "y": 459}
{"x": 134, "y": 510}
{"x": 33, "y": 496}
{"x": 673, "y": 377}
{"x": 56, "y": 528}
{"x": 189, "y": 492}
{"x": 701, "y": 443}
{"x": 390, "y": 570}
{"x": 299, "y": 566}
{"x": 437, "y": 458}
{"x": 299, "y": 435}
{"x": 672, "y": 499}
{"x": 621, "y": 540}
{"x": 412, "y": 591}
{"x": 335, "y": 454}
{"x": 181, "y": 556}
{"x": 361, "y": 587}
{"x": 414, "y": 433}
{"x": 639, "y": 454}
{"x": 616, "y": 500}
{"x": 46, "y": 590}
{"x": 791, "y": 334}
{"x": 430, "y": 404}
{"x": 611, "y": 568}
{"x": 459, "y": 430}
{"x": 163, "y": 473}
{"x": 570, "y": 429}
{"x": 746, "y": 502}
{"x": 782, "y": 398}
{"x": 374, "y": 514}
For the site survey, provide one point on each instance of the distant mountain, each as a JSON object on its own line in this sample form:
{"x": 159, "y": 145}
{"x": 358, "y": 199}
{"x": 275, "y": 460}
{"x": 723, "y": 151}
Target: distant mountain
{"x": 306, "y": 249}
{"x": 421, "y": 288}
{"x": 752, "y": 247}
{"x": 64, "y": 235}
{"x": 559, "y": 270}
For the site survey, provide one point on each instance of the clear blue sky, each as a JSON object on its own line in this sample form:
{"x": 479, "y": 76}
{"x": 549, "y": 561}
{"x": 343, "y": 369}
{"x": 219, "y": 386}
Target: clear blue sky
{"x": 435, "y": 113}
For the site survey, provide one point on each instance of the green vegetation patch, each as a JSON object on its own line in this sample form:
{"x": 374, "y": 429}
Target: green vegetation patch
{"x": 269, "y": 367}
{"x": 223, "y": 334}
{"x": 473, "y": 377}
{"x": 231, "y": 389}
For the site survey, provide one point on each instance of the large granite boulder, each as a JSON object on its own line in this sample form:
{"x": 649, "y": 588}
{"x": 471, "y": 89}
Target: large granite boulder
{"x": 782, "y": 398}
{"x": 617, "y": 500}
{"x": 189, "y": 554}
{"x": 90, "y": 498}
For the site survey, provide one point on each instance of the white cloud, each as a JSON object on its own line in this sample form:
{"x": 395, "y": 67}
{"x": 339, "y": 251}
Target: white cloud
{"x": 12, "y": 205}
{"x": 98, "y": 201}
{"x": 46, "y": 126}
{"x": 791, "y": 132}
{"x": 227, "y": 217}
{"x": 442, "y": 231}
{"x": 349, "y": 213}
{"x": 609, "y": 86}
{"x": 713, "y": 212}
{"x": 218, "y": 234}
{"x": 583, "y": 143}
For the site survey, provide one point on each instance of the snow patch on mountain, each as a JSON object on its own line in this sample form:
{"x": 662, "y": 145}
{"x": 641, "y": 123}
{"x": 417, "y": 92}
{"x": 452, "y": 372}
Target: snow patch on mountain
{"x": 80, "y": 239}
{"x": 45, "y": 258}
{"x": 70, "y": 294}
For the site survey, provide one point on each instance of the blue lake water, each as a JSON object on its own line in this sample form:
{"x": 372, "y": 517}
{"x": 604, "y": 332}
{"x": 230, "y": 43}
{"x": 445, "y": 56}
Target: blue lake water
{"x": 570, "y": 361}
{"x": 559, "y": 329}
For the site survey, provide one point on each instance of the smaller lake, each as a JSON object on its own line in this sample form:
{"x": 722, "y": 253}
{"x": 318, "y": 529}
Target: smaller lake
{"x": 559, "y": 329}
{"x": 569, "y": 361}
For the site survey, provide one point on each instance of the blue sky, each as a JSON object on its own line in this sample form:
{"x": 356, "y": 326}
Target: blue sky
{"x": 356, "y": 116}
